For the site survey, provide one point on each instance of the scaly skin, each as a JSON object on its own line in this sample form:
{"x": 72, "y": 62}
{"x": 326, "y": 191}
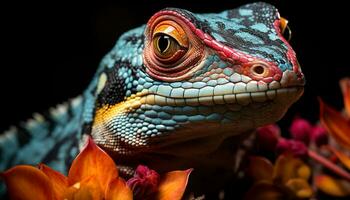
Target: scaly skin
{"x": 234, "y": 72}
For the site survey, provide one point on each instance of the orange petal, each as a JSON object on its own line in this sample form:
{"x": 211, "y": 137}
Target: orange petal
{"x": 86, "y": 189}
{"x": 341, "y": 156}
{"x": 303, "y": 172}
{"x": 27, "y": 182}
{"x": 300, "y": 188}
{"x": 76, "y": 192}
{"x": 332, "y": 186}
{"x": 92, "y": 161}
{"x": 288, "y": 167}
{"x": 263, "y": 190}
{"x": 118, "y": 190}
{"x": 345, "y": 88}
{"x": 335, "y": 124}
{"x": 173, "y": 185}
{"x": 58, "y": 180}
{"x": 260, "y": 168}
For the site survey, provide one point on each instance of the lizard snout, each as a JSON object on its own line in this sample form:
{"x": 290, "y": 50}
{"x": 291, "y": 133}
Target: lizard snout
{"x": 292, "y": 79}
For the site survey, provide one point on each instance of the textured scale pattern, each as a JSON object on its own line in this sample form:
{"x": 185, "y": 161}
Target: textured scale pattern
{"x": 139, "y": 117}
{"x": 167, "y": 105}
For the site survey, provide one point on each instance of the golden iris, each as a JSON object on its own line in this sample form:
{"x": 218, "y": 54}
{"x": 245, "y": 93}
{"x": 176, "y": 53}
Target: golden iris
{"x": 165, "y": 46}
{"x": 170, "y": 41}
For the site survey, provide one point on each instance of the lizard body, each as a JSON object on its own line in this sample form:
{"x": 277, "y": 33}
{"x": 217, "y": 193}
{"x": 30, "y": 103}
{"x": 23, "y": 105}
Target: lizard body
{"x": 178, "y": 92}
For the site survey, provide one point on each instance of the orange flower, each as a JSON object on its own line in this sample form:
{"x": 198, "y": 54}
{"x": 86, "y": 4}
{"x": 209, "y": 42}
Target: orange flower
{"x": 93, "y": 175}
{"x": 345, "y": 88}
{"x": 335, "y": 186}
{"x": 287, "y": 178}
{"x": 338, "y": 126}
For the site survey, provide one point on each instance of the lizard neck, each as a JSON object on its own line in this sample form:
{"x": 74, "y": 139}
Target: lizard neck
{"x": 218, "y": 167}
{"x": 211, "y": 153}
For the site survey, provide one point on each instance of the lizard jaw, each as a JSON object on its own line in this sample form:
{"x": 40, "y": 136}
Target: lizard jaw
{"x": 229, "y": 111}
{"x": 231, "y": 96}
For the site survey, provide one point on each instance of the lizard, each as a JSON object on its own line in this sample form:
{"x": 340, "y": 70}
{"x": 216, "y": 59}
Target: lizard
{"x": 181, "y": 91}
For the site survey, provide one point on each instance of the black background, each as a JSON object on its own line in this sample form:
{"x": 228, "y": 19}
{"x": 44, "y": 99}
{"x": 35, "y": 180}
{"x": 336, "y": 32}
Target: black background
{"x": 50, "y": 51}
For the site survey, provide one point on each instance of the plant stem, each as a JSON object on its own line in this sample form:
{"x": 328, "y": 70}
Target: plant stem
{"x": 334, "y": 168}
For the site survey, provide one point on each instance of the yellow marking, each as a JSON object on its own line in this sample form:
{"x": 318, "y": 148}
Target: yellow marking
{"x": 108, "y": 112}
{"x": 150, "y": 99}
{"x": 77, "y": 185}
{"x": 101, "y": 83}
{"x": 38, "y": 117}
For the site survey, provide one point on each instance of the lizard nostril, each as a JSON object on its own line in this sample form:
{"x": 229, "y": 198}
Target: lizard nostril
{"x": 258, "y": 69}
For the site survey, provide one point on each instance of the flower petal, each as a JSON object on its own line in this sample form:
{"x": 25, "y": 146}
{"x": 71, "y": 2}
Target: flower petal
{"x": 335, "y": 124}
{"x": 288, "y": 167}
{"x": 304, "y": 172}
{"x": 93, "y": 161}
{"x": 58, "y": 180}
{"x": 345, "y": 88}
{"x": 300, "y": 188}
{"x": 332, "y": 186}
{"x": 341, "y": 156}
{"x": 86, "y": 189}
{"x": 264, "y": 190}
{"x": 260, "y": 168}
{"x": 118, "y": 190}
{"x": 27, "y": 182}
{"x": 173, "y": 185}
{"x": 76, "y": 192}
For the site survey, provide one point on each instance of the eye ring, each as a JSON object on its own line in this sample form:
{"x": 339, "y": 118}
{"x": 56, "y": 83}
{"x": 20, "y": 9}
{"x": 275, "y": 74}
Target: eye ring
{"x": 189, "y": 54}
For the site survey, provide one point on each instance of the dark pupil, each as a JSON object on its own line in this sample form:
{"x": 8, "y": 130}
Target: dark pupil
{"x": 163, "y": 43}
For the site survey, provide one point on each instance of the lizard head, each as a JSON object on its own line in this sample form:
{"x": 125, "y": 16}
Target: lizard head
{"x": 186, "y": 76}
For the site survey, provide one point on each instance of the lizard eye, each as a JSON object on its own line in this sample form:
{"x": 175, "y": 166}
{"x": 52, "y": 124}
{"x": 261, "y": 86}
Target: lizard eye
{"x": 170, "y": 42}
{"x": 166, "y": 47}
{"x": 172, "y": 50}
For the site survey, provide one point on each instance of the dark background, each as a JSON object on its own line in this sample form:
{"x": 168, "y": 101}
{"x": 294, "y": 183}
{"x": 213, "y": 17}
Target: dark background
{"x": 50, "y": 51}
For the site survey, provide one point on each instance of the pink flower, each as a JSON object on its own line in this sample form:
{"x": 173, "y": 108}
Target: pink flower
{"x": 268, "y": 137}
{"x": 319, "y": 135}
{"x": 301, "y": 130}
{"x": 144, "y": 183}
{"x": 294, "y": 147}
{"x": 147, "y": 184}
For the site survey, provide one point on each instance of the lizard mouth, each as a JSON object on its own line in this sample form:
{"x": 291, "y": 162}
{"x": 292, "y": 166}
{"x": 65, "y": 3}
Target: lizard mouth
{"x": 240, "y": 99}
{"x": 289, "y": 88}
